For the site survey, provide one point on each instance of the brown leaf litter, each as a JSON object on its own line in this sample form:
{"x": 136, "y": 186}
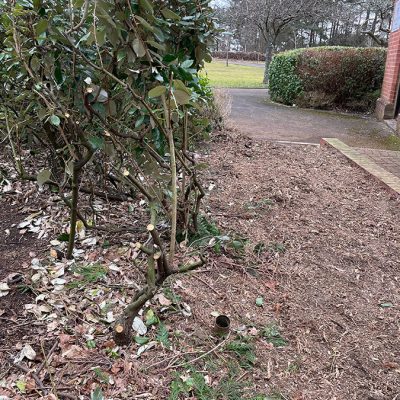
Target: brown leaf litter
{"x": 321, "y": 248}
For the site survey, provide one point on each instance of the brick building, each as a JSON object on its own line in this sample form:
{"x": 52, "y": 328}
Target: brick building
{"x": 388, "y": 105}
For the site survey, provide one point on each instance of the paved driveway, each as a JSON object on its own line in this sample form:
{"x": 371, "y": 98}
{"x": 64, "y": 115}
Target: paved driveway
{"x": 255, "y": 115}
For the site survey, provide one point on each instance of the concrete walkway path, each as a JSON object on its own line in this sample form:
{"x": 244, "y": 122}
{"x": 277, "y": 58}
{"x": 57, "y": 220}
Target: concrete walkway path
{"x": 255, "y": 115}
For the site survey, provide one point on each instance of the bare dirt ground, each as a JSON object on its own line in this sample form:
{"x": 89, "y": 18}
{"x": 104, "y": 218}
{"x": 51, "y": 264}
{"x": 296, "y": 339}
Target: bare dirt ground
{"x": 312, "y": 293}
{"x": 337, "y": 294}
{"x": 15, "y": 249}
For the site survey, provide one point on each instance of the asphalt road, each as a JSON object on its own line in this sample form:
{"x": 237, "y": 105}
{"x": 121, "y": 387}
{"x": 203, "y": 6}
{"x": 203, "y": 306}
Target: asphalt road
{"x": 256, "y": 116}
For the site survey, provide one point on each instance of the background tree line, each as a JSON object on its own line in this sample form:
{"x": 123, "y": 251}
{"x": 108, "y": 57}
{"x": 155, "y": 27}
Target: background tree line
{"x": 268, "y": 26}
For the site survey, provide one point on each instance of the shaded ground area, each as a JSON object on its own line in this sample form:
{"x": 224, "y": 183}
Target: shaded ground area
{"x": 16, "y": 252}
{"x": 14, "y": 246}
{"x": 255, "y": 115}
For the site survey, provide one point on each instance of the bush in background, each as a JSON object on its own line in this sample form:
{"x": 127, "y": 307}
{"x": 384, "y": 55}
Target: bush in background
{"x": 284, "y": 82}
{"x": 328, "y": 77}
{"x": 240, "y": 55}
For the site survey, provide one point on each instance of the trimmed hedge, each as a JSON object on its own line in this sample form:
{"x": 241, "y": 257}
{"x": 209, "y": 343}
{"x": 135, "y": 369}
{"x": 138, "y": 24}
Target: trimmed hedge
{"x": 240, "y": 55}
{"x": 328, "y": 77}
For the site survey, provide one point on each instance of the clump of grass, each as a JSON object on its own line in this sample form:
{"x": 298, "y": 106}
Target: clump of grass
{"x": 87, "y": 274}
{"x": 260, "y": 204}
{"x": 293, "y": 367}
{"x": 259, "y": 248}
{"x": 206, "y": 231}
{"x": 194, "y": 384}
{"x": 277, "y": 248}
{"x": 244, "y": 351}
{"x": 208, "y": 234}
{"x": 272, "y": 335}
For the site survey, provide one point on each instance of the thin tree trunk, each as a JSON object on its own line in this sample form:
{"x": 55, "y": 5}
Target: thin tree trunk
{"x": 74, "y": 211}
{"x": 269, "y": 50}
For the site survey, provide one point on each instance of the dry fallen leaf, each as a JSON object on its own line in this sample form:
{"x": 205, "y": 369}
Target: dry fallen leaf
{"x": 163, "y": 300}
{"x": 26, "y": 352}
{"x": 144, "y": 348}
{"x": 52, "y": 326}
{"x": 65, "y": 341}
{"x": 139, "y": 326}
{"x": 4, "y": 289}
{"x": 74, "y": 352}
{"x": 30, "y": 384}
{"x": 253, "y": 331}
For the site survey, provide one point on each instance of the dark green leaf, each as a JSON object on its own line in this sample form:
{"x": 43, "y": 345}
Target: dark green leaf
{"x": 41, "y": 27}
{"x": 64, "y": 237}
{"x": 144, "y": 23}
{"x": 159, "y": 141}
{"x": 146, "y": 5}
{"x": 139, "y": 121}
{"x": 58, "y": 74}
{"x": 169, "y": 58}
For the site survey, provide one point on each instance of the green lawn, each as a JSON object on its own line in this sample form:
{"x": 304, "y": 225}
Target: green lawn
{"x": 233, "y": 76}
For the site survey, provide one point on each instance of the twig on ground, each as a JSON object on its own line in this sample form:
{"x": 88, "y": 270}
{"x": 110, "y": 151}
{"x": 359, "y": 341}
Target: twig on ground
{"x": 45, "y": 363}
{"x": 200, "y": 271}
{"x": 209, "y": 286}
{"x": 242, "y": 376}
{"x": 171, "y": 360}
{"x": 200, "y": 357}
{"x": 46, "y": 358}
{"x": 37, "y": 380}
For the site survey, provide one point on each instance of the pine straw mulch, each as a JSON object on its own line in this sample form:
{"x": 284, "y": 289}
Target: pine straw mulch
{"x": 319, "y": 253}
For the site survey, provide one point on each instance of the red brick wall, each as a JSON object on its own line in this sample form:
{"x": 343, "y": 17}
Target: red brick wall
{"x": 391, "y": 79}
{"x": 387, "y": 103}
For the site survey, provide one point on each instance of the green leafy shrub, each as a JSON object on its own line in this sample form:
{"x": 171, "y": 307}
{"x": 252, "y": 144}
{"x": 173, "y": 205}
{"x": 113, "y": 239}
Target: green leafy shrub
{"x": 109, "y": 93}
{"x": 328, "y": 77}
{"x": 285, "y": 84}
